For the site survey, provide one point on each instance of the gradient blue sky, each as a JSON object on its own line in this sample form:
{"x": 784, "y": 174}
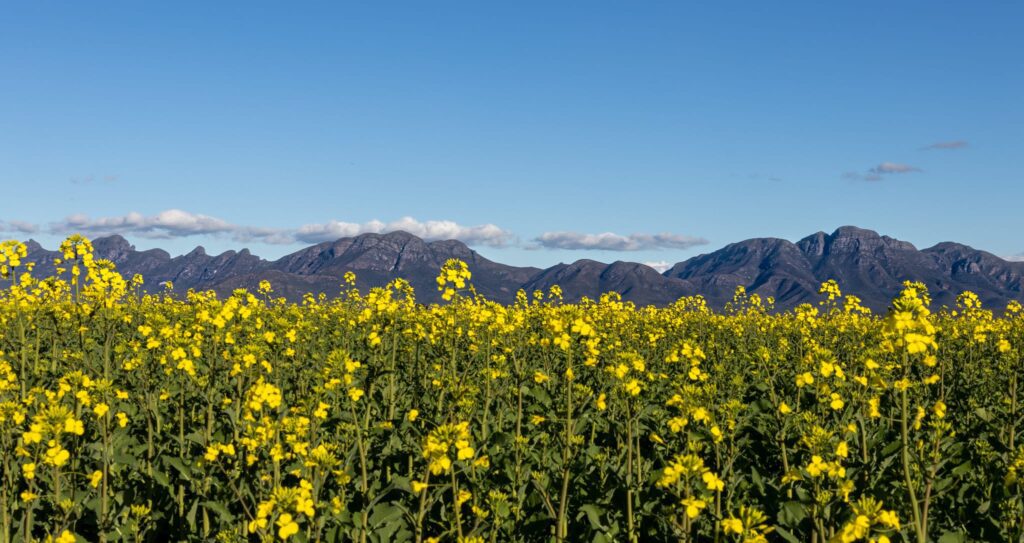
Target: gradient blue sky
{"x": 720, "y": 121}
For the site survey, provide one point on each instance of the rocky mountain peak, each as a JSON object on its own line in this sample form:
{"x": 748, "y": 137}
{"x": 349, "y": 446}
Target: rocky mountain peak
{"x": 865, "y": 263}
{"x": 114, "y": 248}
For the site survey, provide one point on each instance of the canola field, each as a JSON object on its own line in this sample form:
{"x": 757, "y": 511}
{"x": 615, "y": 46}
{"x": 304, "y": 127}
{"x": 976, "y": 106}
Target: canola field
{"x": 183, "y": 417}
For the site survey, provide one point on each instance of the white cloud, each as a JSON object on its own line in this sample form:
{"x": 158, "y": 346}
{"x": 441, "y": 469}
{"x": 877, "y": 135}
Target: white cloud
{"x": 660, "y": 265}
{"x": 171, "y": 223}
{"x": 485, "y": 234}
{"x": 1015, "y": 258}
{"x": 609, "y": 241}
{"x": 175, "y": 223}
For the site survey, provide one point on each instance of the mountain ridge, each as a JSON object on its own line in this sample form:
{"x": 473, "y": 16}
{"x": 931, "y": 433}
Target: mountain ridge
{"x": 863, "y": 262}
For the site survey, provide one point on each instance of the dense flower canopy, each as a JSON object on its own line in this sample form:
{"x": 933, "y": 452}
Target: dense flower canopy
{"x": 183, "y": 416}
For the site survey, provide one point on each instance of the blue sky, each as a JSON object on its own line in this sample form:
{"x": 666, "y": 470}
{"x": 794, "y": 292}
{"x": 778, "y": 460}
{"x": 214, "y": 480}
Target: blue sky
{"x": 537, "y": 131}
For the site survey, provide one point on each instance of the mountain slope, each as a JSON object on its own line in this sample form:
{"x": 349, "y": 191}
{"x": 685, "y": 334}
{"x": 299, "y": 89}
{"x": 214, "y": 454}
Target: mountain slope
{"x": 864, "y": 263}
{"x": 636, "y": 282}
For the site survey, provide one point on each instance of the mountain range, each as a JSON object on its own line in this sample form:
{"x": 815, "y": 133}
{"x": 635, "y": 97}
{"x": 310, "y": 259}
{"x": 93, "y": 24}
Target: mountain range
{"x": 864, "y": 263}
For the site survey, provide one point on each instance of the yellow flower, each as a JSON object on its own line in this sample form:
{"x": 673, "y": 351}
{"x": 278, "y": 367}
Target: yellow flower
{"x": 540, "y": 377}
{"x": 873, "y": 405}
{"x": 101, "y": 409}
{"x": 713, "y": 482}
{"x": 95, "y": 478}
{"x": 693, "y": 507}
{"x": 286, "y": 526}
{"x": 600, "y": 402}
{"x": 889, "y": 519}
{"x": 732, "y": 526}
{"x": 418, "y": 487}
{"x": 74, "y": 426}
{"x": 355, "y": 394}
{"x": 804, "y": 379}
{"x": 412, "y": 415}
{"x": 57, "y": 455}
{"x": 940, "y": 409}
{"x": 784, "y": 409}
{"x": 716, "y": 433}
{"x": 842, "y": 450}
{"x": 676, "y": 424}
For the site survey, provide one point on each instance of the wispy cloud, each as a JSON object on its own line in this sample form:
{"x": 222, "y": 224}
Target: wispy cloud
{"x": 955, "y": 144}
{"x": 893, "y": 167}
{"x": 91, "y": 179}
{"x": 609, "y": 241}
{"x": 20, "y": 227}
{"x": 177, "y": 223}
{"x": 881, "y": 170}
{"x": 1015, "y": 258}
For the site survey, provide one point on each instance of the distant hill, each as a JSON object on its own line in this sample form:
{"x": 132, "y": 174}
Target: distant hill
{"x": 864, "y": 263}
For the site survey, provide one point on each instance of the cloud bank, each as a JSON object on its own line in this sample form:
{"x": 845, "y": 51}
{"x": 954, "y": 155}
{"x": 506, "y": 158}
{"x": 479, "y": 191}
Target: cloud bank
{"x": 176, "y": 223}
{"x": 609, "y": 241}
{"x": 485, "y": 234}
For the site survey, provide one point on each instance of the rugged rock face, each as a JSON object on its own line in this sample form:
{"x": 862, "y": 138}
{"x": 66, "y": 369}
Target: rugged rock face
{"x": 864, "y": 263}
{"x": 376, "y": 259}
{"x": 766, "y": 266}
{"x": 636, "y": 282}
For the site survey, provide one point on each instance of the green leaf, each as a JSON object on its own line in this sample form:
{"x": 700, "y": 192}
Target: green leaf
{"x": 786, "y": 535}
{"x": 220, "y": 509}
{"x": 891, "y": 448}
{"x": 161, "y": 478}
{"x": 191, "y": 516}
{"x": 792, "y": 513}
{"x": 594, "y": 514}
{"x": 384, "y": 513}
{"x": 962, "y": 469}
{"x": 756, "y": 478}
{"x": 180, "y": 465}
{"x": 953, "y": 537}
